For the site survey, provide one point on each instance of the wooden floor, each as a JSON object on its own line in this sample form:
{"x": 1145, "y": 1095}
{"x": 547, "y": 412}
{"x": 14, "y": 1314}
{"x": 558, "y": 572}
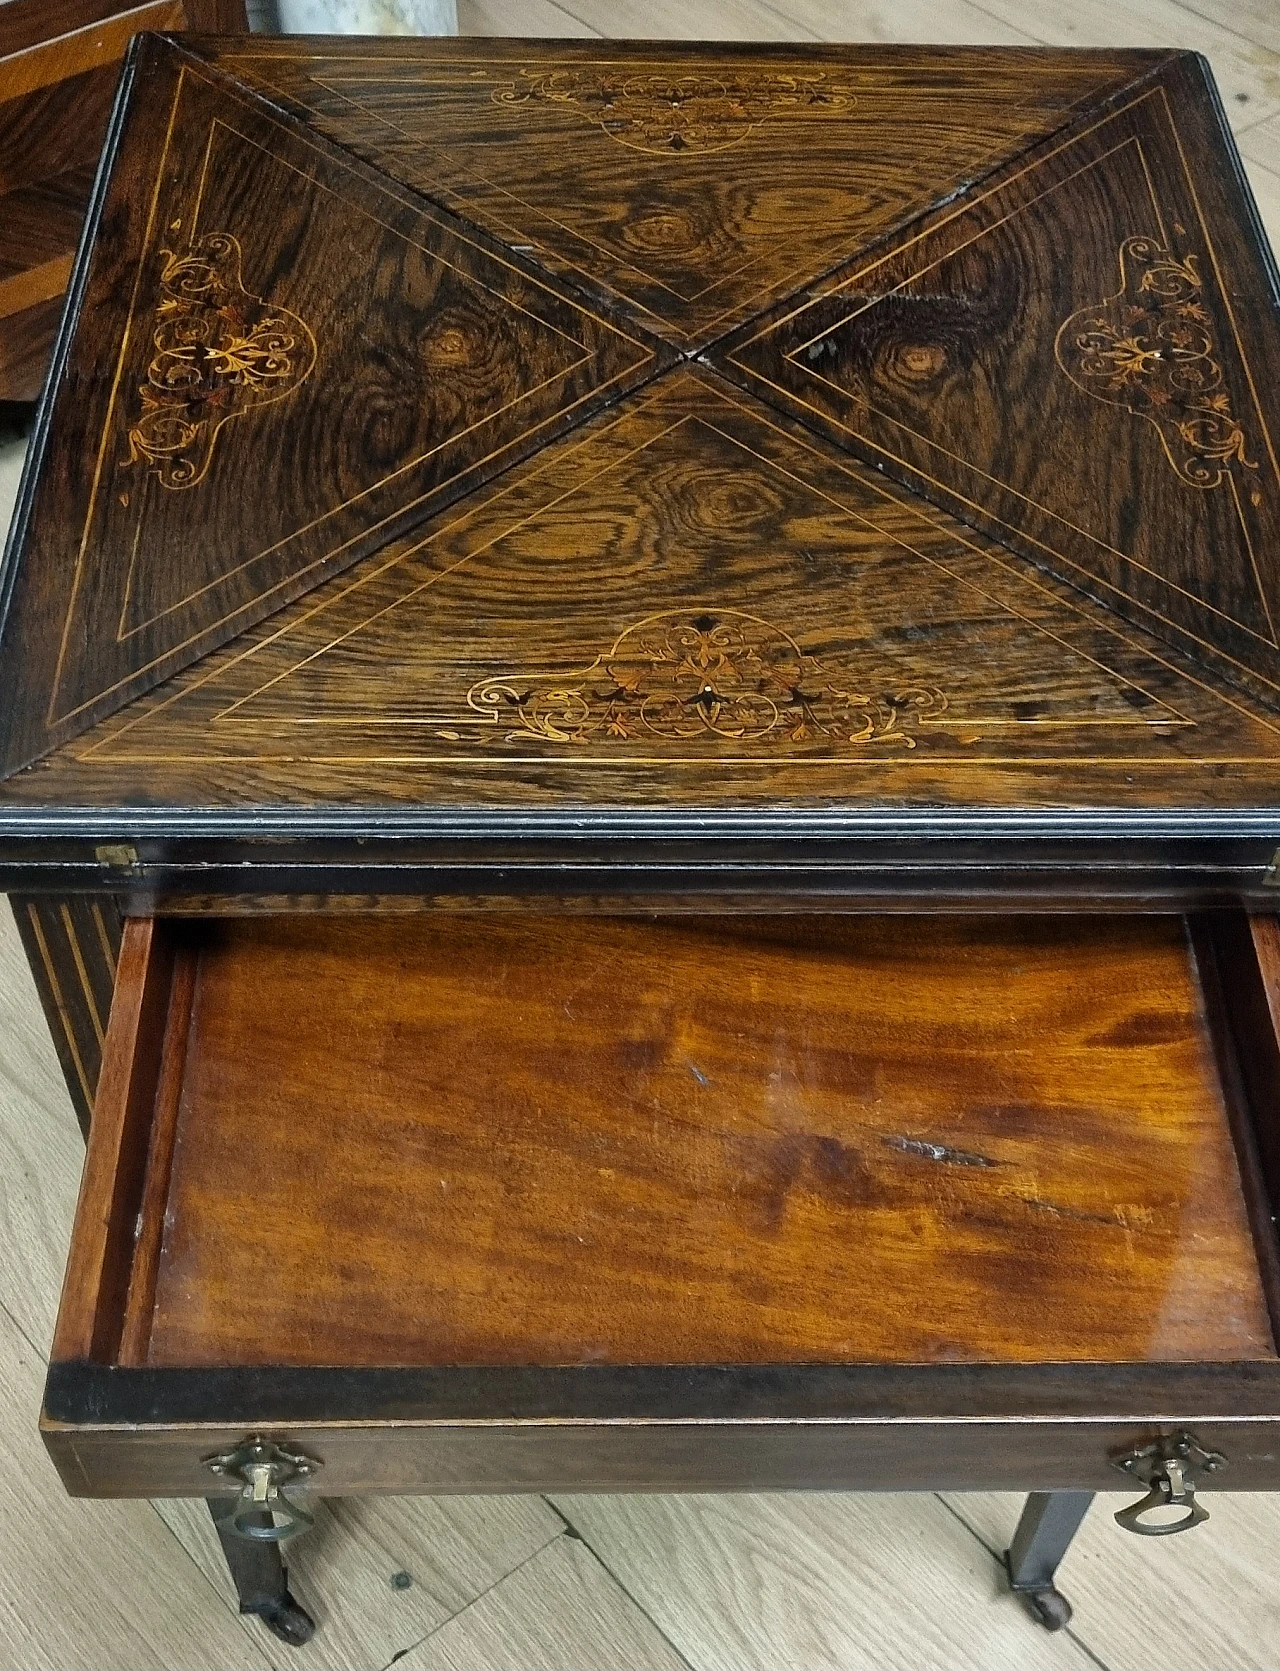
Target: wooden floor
{"x": 589, "y": 1583}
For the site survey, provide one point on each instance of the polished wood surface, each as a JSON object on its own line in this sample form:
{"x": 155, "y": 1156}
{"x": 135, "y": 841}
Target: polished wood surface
{"x": 27, "y": 337}
{"x": 415, "y": 1451}
{"x": 587, "y": 579}
{"x": 376, "y": 358}
{"x": 576, "y": 1141}
{"x": 720, "y": 1574}
{"x": 1239, "y": 962}
{"x": 102, "y": 1255}
{"x": 59, "y": 64}
{"x": 1154, "y": 483}
{"x": 687, "y": 603}
{"x": 692, "y": 183}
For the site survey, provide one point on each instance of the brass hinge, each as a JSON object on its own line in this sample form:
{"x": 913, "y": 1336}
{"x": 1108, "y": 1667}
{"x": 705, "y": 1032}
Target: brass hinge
{"x": 117, "y": 855}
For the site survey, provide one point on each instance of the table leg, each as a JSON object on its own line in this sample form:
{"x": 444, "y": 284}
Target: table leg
{"x": 1048, "y": 1524}
{"x": 261, "y": 1577}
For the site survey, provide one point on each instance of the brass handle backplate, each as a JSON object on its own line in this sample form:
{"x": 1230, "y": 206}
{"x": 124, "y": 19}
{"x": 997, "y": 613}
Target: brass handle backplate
{"x": 1167, "y": 1467}
{"x": 263, "y": 1513}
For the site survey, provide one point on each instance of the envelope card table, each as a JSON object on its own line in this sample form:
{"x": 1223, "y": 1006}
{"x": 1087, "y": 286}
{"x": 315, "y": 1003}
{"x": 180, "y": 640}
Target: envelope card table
{"x": 640, "y": 772}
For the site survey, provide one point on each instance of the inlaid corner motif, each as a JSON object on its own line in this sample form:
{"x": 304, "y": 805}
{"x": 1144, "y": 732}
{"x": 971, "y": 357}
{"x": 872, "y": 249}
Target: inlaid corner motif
{"x": 666, "y": 114}
{"x": 220, "y": 351}
{"x": 685, "y": 677}
{"x": 1150, "y": 349}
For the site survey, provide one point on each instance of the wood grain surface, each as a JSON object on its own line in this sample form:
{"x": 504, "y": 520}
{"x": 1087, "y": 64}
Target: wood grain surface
{"x": 805, "y": 1570}
{"x": 685, "y": 1559}
{"x": 1103, "y": 1571}
{"x": 73, "y": 946}
{"x": 687, "y": 603}
{"x": 685, "y": 595}
{"x": 453, "y": 1549}
{"x": 365, "y": 361}
{"x": 1148, "y": 365}
{"x": 565, "y": 1580}
{"x": 93, "y": 1568}
{"x": 691, "y": 183}
{"x": 787, "y": 1140}
{"x": 27, "y": 338}
{"x": 91, "y": 1315}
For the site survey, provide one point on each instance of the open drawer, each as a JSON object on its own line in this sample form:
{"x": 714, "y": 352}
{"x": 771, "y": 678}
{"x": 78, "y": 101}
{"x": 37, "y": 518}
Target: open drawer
{"x": 495, "y": 1201}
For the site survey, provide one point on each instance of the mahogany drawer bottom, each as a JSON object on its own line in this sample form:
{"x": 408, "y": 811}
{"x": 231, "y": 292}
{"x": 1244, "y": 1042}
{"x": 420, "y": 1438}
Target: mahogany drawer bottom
{"x": 493, "y": 1202}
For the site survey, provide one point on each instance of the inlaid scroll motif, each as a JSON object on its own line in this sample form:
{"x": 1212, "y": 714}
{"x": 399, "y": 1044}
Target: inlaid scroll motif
{"x": 696, "y": 677}
{"x": 220, "y": 351}
{"x": 1150, "y": 349}
{"x": 665, "y": 114}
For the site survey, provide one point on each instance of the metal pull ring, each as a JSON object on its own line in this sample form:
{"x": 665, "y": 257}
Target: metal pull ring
{"x": 1167, "y": 1466}
{"x": 1161, "y": 1496}
{"x": 263, "y": 1513}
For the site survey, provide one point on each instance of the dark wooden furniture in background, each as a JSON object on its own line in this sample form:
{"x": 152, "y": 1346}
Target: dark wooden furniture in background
{"x": 59, "y": 64}
{"x": 566, "y": 527}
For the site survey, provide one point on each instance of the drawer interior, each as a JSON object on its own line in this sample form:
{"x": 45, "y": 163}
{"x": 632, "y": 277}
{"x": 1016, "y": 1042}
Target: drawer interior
{"x": 530, "y": 1139}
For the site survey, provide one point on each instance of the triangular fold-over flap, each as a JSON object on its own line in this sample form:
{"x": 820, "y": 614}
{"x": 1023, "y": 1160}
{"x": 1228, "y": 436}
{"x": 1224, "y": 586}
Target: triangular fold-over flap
{"x": 691, "y": 601}
{"x": 693, "y": 183}
{"x": 279, "y": 361}
{"x": 1081, "y": 357}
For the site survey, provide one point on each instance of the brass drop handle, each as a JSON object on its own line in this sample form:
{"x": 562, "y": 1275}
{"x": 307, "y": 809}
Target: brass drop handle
{"x": 263, "y": 1513}
{"x": 1167, "y": 1466}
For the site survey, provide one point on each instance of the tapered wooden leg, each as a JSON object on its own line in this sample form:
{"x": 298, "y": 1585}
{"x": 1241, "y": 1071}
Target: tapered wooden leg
{"x": 1048, "y": 1524}
{"x": 261, "y": 1577}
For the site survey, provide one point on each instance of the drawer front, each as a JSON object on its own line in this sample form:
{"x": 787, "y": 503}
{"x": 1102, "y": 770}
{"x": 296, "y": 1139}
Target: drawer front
{"x": 639, "y": 1455}
{"x": 508, "y": 1202}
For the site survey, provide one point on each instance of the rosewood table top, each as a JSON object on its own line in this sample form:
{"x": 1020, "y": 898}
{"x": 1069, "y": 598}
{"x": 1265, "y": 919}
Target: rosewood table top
{"x": 493, "y": 441}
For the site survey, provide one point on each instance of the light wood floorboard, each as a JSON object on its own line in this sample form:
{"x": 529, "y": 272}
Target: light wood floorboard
{"x": 101, "y": 1585}
{"x": 956, "y": 23}
{"x": 1257, "y": 21}
{"x": 41, "y": 1150}
{"x": 452, "y": 1550}
{"x": 1248, "y": 75}
{"x": 530, "y": 17}
{"x": 561, "y": 1609}
{"x": 1221, "y": 1583}
{"x": 785, "y": 1581}
{"x": 811, "y": 1582}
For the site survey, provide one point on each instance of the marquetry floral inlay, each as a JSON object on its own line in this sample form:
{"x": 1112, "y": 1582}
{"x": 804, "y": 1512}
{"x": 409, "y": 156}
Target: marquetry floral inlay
{"x": 220, "y": 351}
{"x": 675, "y": 113}
{"x": 697, "y": 676}
{"x": 1150, "y": 349}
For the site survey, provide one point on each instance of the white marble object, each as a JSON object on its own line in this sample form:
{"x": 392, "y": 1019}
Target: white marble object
{"x": 368, "y": 17}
